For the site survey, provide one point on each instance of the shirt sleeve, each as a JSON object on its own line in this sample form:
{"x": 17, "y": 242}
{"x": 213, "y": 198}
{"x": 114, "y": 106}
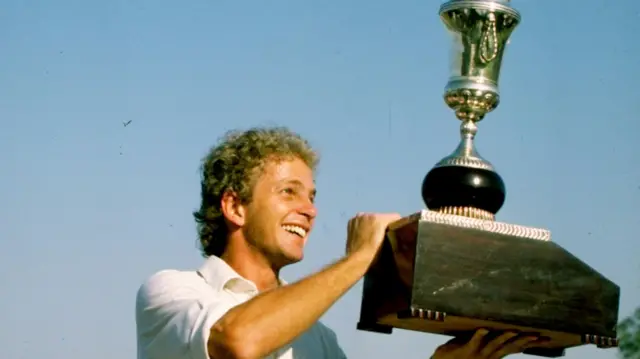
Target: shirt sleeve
{"x": 174, "y": 313}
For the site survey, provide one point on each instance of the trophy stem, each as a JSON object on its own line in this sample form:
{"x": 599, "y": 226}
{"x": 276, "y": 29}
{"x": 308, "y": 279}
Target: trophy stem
{"x": 468, "y": 130}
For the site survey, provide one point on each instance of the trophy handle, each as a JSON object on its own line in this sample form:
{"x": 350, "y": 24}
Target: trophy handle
{"x": 489, "y": 42}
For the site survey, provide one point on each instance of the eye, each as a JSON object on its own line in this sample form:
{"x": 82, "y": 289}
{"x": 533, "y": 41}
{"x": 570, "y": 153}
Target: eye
{"x": 289, "y": 191}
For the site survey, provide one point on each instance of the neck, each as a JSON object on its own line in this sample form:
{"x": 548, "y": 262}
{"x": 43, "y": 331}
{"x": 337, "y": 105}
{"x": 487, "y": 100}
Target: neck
{"x": 251, "y": 264}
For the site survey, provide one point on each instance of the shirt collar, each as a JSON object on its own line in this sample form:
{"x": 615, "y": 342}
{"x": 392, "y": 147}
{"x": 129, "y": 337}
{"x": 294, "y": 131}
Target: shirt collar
{"x": 218, "y": 274}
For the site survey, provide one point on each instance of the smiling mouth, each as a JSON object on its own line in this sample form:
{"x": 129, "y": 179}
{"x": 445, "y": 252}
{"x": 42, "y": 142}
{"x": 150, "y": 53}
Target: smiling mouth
{"x": 297, "y": 230}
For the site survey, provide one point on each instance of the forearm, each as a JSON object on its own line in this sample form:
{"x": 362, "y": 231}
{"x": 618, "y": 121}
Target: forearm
{"x": 274, "y": 318}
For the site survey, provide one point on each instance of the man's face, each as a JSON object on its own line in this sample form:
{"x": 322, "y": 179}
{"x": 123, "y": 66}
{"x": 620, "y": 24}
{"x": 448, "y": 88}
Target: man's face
{"x": 282, "y": 211}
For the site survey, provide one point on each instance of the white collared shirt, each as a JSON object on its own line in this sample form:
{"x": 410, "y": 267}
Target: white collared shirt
{"x": 176, "y": 309}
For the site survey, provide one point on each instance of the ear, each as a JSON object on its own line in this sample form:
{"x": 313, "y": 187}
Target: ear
{"x": 232, "y": 209}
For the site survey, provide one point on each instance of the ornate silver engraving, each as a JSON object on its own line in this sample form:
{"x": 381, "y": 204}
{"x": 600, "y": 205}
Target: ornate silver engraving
{"x": 600, "y": 341}
{"x": 486, "y": 225}
{"x": 427, "y": 314}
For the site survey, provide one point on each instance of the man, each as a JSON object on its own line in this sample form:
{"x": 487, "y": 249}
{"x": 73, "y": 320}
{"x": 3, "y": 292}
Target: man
{"x": 256, "y": 213}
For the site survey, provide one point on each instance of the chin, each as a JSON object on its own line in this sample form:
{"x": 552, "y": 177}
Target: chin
{"x": 293, "y": 256}
{"x": 292, "y": 250}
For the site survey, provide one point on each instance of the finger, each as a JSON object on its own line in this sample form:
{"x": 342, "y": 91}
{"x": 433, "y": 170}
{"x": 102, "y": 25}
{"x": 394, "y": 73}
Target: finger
{"x": 459, "y": 340}
{"x": 496, "y": 344}
{"x": 391, "y": 217}
{"x": 518, "y": 345}
{"x": 386, "y": 219}
{"x": 475, "y": 343}
{"x": 448, "y": 346}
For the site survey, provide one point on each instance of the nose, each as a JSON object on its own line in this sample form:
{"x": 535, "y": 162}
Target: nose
{"x": 309, "y": 210}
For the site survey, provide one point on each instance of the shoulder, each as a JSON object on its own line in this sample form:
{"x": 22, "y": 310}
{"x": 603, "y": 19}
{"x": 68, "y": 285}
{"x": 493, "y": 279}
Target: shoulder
{"x": 170, "y": 277}
{"x": 170, "y": 285}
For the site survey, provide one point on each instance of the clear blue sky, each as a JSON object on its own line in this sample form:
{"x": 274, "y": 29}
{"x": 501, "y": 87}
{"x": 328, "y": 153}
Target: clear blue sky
{"x": 89, "y": 208}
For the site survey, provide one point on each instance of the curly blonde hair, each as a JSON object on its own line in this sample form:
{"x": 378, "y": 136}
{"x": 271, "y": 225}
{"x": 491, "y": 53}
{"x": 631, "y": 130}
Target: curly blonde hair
{"x": 233, "y": 165}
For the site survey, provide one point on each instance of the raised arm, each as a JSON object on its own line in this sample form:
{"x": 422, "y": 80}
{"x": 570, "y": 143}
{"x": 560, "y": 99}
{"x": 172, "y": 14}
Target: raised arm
{"x": 274, "y": 318}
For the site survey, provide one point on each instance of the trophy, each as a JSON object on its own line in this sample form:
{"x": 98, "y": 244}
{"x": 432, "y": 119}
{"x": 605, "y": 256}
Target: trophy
{"x": 453, "y": 268}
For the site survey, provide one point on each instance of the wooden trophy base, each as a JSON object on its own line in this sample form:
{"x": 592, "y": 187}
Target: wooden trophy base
{"x": 447, "y": 274}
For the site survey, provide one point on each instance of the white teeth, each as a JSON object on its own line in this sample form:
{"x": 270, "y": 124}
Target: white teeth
{"x": 295, "y": 229}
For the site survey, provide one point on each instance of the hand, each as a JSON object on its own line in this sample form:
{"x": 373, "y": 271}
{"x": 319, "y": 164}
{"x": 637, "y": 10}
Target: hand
{"x": 366, "y": 231}
{"x": 479, "y": 347}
